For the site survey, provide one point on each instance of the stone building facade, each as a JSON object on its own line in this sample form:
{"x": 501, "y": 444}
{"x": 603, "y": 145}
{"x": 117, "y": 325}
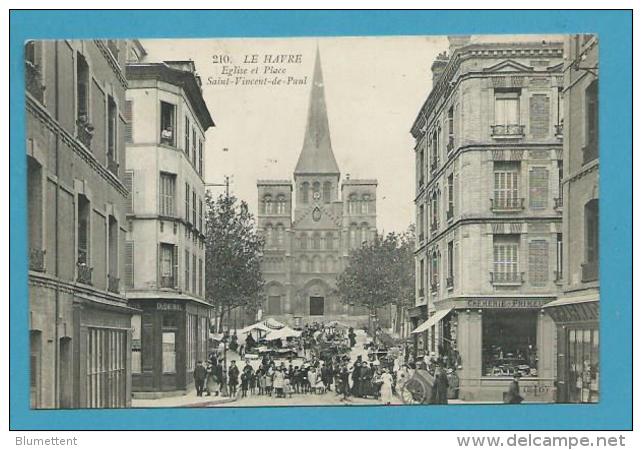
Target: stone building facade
{"x": 489, "y": 212}
{"x": 164, "y": 272}
{"x": 79, "y": 320}
{"x": 311, "y": 225}
{"x": 576, "y": 313}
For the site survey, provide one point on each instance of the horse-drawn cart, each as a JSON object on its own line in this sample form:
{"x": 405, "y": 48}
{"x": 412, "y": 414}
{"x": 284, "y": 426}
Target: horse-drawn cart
{"x": 418, "y": 389}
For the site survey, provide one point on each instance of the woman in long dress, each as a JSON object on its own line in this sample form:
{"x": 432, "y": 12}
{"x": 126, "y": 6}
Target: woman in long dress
{"x": 386, "y": 387}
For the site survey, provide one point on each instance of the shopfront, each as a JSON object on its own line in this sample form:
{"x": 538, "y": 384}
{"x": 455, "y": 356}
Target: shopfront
{"x": 168, "y": 338}
{"x": 417, "y": 316}
{"x": 578, "y": 335}
{"x": 488, "y": 341}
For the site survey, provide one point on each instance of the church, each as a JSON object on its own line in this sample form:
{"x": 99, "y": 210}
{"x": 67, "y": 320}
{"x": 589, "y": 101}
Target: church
{"x": 310, "y": 226}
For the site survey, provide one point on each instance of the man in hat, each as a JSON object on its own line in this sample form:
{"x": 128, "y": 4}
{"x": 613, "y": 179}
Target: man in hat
{"x": 233, "y": 378}
{"x": 200, "y": 374}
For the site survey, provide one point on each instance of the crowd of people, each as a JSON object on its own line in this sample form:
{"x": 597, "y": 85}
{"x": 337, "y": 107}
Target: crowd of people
{"x": 322, "y": 365}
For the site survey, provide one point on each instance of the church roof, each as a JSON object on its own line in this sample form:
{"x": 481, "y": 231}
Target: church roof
{"x": 316, "y": 155}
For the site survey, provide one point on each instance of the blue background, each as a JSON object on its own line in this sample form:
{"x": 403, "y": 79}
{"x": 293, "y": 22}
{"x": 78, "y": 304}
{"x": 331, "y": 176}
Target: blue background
{"x": 615, "y": 32}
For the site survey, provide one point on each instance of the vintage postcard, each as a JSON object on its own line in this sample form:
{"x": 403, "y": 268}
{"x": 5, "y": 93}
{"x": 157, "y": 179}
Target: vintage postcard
{"x": 313, "y": 221}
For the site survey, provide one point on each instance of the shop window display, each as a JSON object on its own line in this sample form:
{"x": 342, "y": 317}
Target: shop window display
{"x": 584, "y": 368}
{"x": 509, "y": 341}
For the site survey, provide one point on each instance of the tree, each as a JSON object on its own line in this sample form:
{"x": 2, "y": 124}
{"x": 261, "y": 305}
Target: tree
{"x": 380, "y": 273}
{"x": 233, "y": 254}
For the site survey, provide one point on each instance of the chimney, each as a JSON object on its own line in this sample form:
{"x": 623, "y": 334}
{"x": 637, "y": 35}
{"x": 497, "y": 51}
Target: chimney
{"x": 456, "y": 42}
{"x": 438, "y": 66}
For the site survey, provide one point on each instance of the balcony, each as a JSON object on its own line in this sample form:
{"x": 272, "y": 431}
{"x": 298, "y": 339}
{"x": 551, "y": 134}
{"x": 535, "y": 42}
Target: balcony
{"x": 37, "y": 259}
{"x": 590, "y": 271}
{"x": 113, "y": 284}
{"x": 33, "y": 81}
{"x": 559, "y": 202}
{"x": 506, "y": 204}
{"x": 450, "y": 146}
{"x": 559, "y": 131}
{"x": 507, "y": 131}
{"x": 589, "y": 153}
{"x": 84, "y": 273}
{"x": 167, "y": 282}
{"x": 506, "y": 278}
{"x": 85, "y": 131}
{"x": 450, "y": 282}
{"x": 112, "y": 165}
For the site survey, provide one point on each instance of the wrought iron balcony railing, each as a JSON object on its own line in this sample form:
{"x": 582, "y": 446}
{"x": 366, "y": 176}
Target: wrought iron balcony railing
{"x": 507, "y": 131}
{"x": 590, "y": 271}
{"x": 37, "y": 259}
{"x": 33, "y": 81}
{"x": 506, "y": 204}
{"x": 559, "y": 130}
{"x": 113, "y": 284}
{"x": 506, "y": 278}
{"x": 84, "y": 273}
{"x": 85, "y": 131}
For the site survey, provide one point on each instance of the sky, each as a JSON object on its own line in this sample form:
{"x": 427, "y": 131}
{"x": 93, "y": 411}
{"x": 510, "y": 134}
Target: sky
{"x": 374, "y": 87}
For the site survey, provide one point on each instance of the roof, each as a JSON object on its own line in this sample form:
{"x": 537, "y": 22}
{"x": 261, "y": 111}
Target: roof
{"x": 185, "y": 79}
{"x": 316, "y": 155}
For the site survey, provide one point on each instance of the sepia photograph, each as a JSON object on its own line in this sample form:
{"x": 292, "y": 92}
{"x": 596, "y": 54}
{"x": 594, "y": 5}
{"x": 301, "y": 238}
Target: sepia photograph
{"x": 342, "y": 221}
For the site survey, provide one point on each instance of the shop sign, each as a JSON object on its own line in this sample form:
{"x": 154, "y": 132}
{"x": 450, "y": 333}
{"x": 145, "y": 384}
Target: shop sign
{"x": 509, "y": 303}
{"x": 168, "y": 306}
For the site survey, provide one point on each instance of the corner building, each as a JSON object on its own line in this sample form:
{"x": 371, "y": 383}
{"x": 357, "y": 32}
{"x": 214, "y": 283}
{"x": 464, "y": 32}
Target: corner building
{"x": 308, "y": 235}
{"x": 489, "y": 212}
{"x": 165, "y": 243}
{"x": 79, "y": 320}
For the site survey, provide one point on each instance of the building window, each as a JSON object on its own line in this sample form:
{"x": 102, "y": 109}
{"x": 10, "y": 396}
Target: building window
{"x": 506, "y": 189}
{"x": 365, "y": 204}
{"x": 200, "y": 157}
{"x": 451, "y": 197}
{"x": 280, "y": 235}
{"x": 200, "y": 276}
{"x": 353, "y": 204}
{"x": 187, "y": 191}
{"x": 136, "y": 324}
{"x": 168, "y": 124}
{"x": 194, "y": 208}
{"x": 591, "y": 122}
{"x": 559, "y": 266}
{"x": 112, "y": 45}
{"x": 365, "y": 232}
{"x": 538, "y": 262}
{"x": 267, "y": 204}
{"x": 434, "y": 212}
{"x": 35, "y": 206}
{"x": 506, "y": 259}
{"x": 538, "y": 187}
{"x": 559, "y": 122}
{"x": 84, "y": 212}
{"x": 129, "y": 264}
{"x": 451, "y": 265}
{"x": 113, "y": 279}
{"x": 584, "y": 365}
{"x": 327, "y": 192}
{"x": 200, "y": 216}
{"x": 168, "y": 265}
{"x": 420, "y": 167}
{"x": 509, "y": 343}
{"x": 422, "y": 225}
{"x": 187, "y": 130}
{"x": 305, "y": 192}
{"x": 451, "y": 129}
{"x": 194, "y": 287}
{"x": 434, "y": 271}
{"x": 329, "y": 240}
{"x": 112, "y": 137}
{"x": 194, "y": 147}
{"x": 280, "y": 204}
{"x": 169, "y": 352}
{"x": 187, "y": 288}
{"x": 167, "y": 194}
{"x": 422, "y": 280}
{"x": 591, "y": 241}
{"x": 507, "y": 108}
{"x": 82, "y": 90}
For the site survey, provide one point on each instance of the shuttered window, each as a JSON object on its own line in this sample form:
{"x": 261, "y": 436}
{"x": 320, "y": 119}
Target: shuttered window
{"x": 129, "y": 122}
{"x": 128, "y": 180}
{"x": 167, "y": 194}
{"x": 505, "y": 254}
{"x": 187, "y": 128}
{"x": 539, "y": 113}
{"x": 194, "y": 288}
{"x": 187, "y": 270}
{"x": 538, "y": 262}
{"x": 187, "y": 202}
{"x": 506, "y": 184}
{"x": 538, "y": 187}
{"x": 129, "y": 264}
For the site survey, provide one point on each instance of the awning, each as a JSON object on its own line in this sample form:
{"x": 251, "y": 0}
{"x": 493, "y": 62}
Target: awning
{"x": 432, "y": 320}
